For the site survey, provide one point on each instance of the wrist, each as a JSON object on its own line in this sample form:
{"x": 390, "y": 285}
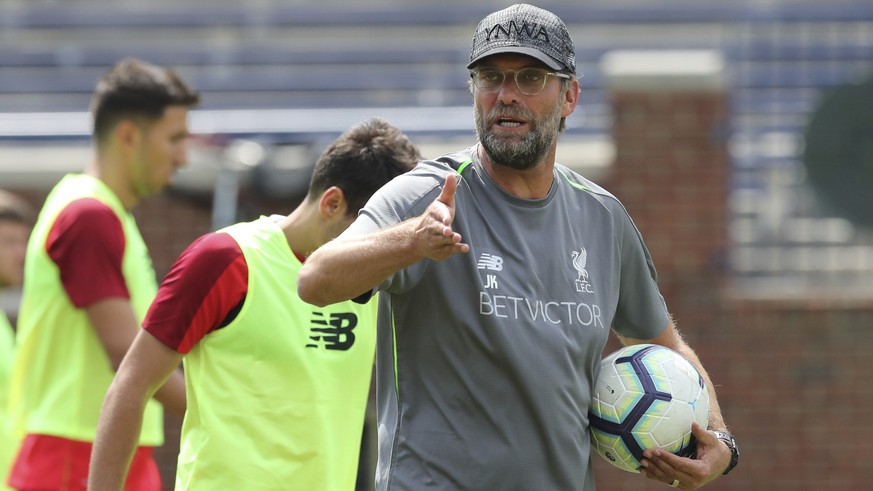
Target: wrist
{"x": 731, "y": 443}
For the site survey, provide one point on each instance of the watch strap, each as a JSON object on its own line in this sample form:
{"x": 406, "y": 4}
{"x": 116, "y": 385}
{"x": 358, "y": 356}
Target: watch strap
{"x": 731, "y": 443}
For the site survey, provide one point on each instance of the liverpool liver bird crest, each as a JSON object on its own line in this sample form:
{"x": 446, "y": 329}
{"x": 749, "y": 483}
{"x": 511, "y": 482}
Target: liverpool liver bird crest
{"x": 579, "y": 259}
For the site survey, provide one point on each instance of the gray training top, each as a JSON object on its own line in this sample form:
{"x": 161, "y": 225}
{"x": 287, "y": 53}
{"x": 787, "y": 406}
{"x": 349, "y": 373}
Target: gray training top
{"x": 486, "y": 360}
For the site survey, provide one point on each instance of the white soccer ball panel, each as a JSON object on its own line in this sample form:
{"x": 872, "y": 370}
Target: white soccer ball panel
{"x": 616, "y": 393}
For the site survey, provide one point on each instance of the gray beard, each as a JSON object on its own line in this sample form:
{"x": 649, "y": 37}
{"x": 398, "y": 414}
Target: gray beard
{"x": 521, "y": 154}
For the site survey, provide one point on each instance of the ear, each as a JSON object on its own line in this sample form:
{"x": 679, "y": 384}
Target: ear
{"x": 333, "y": 203}
{"x": 571, "y": 98}
{"x": 127, "y": 133}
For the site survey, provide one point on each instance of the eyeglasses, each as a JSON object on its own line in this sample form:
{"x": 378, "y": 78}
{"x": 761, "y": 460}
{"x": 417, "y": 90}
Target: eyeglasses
{"x": 530, "y": 81}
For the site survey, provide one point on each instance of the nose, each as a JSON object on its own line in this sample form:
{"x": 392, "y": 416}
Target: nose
{"x": 508, "y": 92}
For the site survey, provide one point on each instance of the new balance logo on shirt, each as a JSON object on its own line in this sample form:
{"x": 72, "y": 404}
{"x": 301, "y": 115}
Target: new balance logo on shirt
{"x": 333, "y": 333}
{"x": 490, "y": 261}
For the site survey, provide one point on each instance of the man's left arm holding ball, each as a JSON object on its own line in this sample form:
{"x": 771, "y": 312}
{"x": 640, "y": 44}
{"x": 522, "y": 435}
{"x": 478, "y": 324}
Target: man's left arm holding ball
{"x": 715, "y": 456}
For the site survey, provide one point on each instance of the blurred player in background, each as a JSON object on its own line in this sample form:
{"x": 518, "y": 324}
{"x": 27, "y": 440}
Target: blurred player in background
{"x": 15, "y": 220}
{"x": 501, "y": 273}
{"x": 277, "y": 389}
{"x": 89, "y": 281}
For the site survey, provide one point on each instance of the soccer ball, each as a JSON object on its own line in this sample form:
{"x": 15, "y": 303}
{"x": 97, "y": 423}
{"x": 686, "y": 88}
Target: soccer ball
{"x": 646, "y": 396}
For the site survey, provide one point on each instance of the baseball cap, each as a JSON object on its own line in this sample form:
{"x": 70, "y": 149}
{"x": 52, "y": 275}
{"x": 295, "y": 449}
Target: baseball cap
{"x": 528, "y": 30}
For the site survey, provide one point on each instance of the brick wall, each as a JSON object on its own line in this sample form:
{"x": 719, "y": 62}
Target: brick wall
{"x": 791, "y": 375}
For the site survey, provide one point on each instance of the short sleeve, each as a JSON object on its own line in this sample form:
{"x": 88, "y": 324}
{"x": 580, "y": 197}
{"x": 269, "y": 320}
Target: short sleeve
{"x": 641, "y": 312}
{"x": 87, "y": 243}
{"x": 201, "y": 293}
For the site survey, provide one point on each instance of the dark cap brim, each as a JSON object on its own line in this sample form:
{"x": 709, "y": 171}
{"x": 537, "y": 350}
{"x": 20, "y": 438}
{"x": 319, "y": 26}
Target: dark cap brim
{"x": 534, "y": 53}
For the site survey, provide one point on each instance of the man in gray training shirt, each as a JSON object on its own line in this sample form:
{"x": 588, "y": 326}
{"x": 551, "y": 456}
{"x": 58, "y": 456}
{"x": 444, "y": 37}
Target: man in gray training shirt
{"x": 501, "y": 274}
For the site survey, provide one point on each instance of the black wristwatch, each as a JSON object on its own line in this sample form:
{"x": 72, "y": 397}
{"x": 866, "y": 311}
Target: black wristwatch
{"x": 728, "y": 440}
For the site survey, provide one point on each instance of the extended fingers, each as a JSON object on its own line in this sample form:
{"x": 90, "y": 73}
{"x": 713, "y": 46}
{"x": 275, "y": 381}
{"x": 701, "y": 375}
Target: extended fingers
{"x": 437, "y": 240}
{"x": 657, "y": 469}
{"x": 665, "y": 467}
{"x": 659, "y": 465}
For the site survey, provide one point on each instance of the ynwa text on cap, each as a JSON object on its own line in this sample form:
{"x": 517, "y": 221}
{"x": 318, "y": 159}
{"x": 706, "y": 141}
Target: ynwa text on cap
{"x": 531, "y": 30}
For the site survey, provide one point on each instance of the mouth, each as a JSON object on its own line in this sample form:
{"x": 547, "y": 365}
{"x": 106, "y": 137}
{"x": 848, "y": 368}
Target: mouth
{"x": 510, "y": 123}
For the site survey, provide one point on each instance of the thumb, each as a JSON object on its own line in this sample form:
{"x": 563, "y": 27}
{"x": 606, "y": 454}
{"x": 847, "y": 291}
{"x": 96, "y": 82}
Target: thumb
{"x": 701, "y": 433}
{"x": 447, "y": 195}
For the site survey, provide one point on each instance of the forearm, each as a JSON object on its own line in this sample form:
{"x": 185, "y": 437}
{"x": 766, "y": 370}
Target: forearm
{"x": 117, "y": 436}
{"x": 347, "y": 267}
{"x": 148, "y": 366}
{"x": 716, "y": 420}
{"x": 672, "y": 338}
